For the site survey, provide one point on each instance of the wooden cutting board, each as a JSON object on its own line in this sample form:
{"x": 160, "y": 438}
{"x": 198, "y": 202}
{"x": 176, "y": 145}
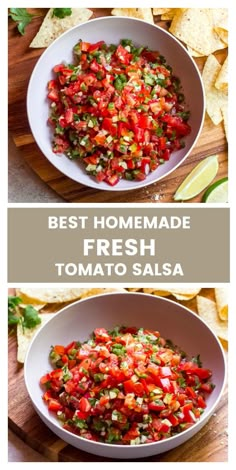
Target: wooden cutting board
{"x": 208, "y": 445}
{"x": 22, "y": 60}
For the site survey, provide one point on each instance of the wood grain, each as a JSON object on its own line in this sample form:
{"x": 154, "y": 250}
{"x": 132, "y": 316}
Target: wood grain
{"x": 22, "y": 60}
{"x": 208, "y": 445}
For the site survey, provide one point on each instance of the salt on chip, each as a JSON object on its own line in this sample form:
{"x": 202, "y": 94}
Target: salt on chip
{"x": 195, "y": 27}
{"x": 52, "y": 26}
{"x": 140, "y": 13}
{"x": 207, "y": 310}
{"x": 215, "y": 99}
{"x": 53, "y": 295}
{"x": 24, "y": 337}
{"x": 221, "y": 82}
{"x": 221, "y": 294}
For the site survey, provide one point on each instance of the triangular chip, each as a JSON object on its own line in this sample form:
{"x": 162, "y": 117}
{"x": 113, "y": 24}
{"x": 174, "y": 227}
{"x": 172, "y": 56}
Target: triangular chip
{"x": 53, "y": 295}
{"x": 160, "y": 11}
{"x": 169, "y": 15}
{"x": 194, "y": 53}
{"x": 25, "y": 337}
{"x": 215, "y": 99}
{"x": 52, "y": 26}
{"x": 208, "y": 312}
{"x": 140, "y": 13}
{"x": 221, "y": 294}
{"x": 195, "y": 27}
{"x": 221, "y": 82}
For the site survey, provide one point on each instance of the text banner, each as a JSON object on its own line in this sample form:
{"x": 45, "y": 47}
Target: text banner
{"x": 123, "y": 245}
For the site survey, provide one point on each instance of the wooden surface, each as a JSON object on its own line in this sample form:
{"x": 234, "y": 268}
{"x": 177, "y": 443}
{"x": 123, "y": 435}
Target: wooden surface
{"x": 208, "y": 445}
{"x": 22, "y": 60}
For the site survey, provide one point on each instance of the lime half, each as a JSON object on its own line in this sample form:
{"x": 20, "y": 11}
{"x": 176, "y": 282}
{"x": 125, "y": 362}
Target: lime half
{"x": 198, "y": 179}
{"x": 217, "y": 192}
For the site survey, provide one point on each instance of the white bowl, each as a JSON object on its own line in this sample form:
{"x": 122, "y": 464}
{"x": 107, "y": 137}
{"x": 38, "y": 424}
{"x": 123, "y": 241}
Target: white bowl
{"x": 111, "y": 30}
{"x": 78, "y": 320}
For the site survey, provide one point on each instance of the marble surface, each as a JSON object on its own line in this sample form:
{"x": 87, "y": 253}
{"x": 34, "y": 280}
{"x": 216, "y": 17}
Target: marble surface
{"x": 23, "y": 184}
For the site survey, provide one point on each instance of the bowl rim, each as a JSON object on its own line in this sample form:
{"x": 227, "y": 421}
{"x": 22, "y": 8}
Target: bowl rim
{"x": 205, "y": 416}
{"x": 91, "y": 182}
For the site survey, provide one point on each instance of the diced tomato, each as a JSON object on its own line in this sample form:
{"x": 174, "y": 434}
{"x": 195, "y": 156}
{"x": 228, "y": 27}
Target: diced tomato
{"x": 84, "y": 405}
{"x": 123, "y": 55}
{"x": 54, "y": 405}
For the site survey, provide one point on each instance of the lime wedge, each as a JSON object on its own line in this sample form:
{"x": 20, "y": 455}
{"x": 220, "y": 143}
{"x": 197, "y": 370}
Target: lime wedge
{"x": 217, "y": 192}
{"x": 198, "y": 179}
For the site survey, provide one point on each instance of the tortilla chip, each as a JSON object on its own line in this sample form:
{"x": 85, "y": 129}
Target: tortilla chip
{"x": 140, "y": 13}
{"x": 152, "y": 290}
{"x": 194, "y": 53}
{"x": 169, "y": 15}
{"x": 223, "y": 34}
{"x": 215, "y": 99}
{"x": 53, "y": 295}
{"x": 222, "y": 81}
{"x": 28, "y": 301}
{"x": 221, "y": 294}
{"x": 220, "y": 18}
{"x": 208, "y": 312}
{"x": 195, "y": 27}
{"x": 180, "y": 294}
{"x": 52, "y": 26}
{"x": 160, "y": 11}
{"x": 224, "y": 110}
{"x": 25, "y": 337}
{"x": 97, "y": 291}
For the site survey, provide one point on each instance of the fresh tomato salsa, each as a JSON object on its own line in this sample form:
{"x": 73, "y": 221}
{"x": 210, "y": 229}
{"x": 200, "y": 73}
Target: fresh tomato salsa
{"x": 118, "y": 109}
{"x": 125, "y": 386}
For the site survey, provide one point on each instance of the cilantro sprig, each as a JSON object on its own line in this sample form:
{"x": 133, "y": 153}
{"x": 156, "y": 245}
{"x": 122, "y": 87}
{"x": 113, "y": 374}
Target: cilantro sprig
{"x": 28, "y": 317}
{"x": 22, "y": 17}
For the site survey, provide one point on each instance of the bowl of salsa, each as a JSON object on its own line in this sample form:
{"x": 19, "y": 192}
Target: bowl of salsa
{"x": 116, "y": 103}
{"x": 124, "y": 384}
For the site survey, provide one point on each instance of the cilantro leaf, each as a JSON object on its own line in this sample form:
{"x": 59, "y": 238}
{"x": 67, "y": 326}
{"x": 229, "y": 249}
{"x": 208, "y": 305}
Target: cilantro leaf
{"x": 22, "y": 17}
{"x": 13, "y": 314}
{"x": 61, "y": 12}
{"x": 197, "y": 360}
{"x": 31, "y": 317}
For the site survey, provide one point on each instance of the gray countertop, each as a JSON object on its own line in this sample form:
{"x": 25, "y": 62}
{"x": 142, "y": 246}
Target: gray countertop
{"x": 23, "y": 184}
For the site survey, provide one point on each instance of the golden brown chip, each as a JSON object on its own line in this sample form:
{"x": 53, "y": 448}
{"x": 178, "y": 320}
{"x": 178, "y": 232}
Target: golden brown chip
{"x": 53, "y": 295}
{"x": 140, "y": 13}
{"x": 208, "y": 312}
{"x": 195, "y": 27}
{"x": 221, "y": 294}
{"x": 169, "y": 15}
{"x": 52, "y": 26}
{"x": 29, "y": 301}
{"x": 221, "y": 82}
{"x": 223, "y": 34}
{"x": 25, "y": 337}
{"x": 215, "y": 99}
{"x": 160, "y": 11}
